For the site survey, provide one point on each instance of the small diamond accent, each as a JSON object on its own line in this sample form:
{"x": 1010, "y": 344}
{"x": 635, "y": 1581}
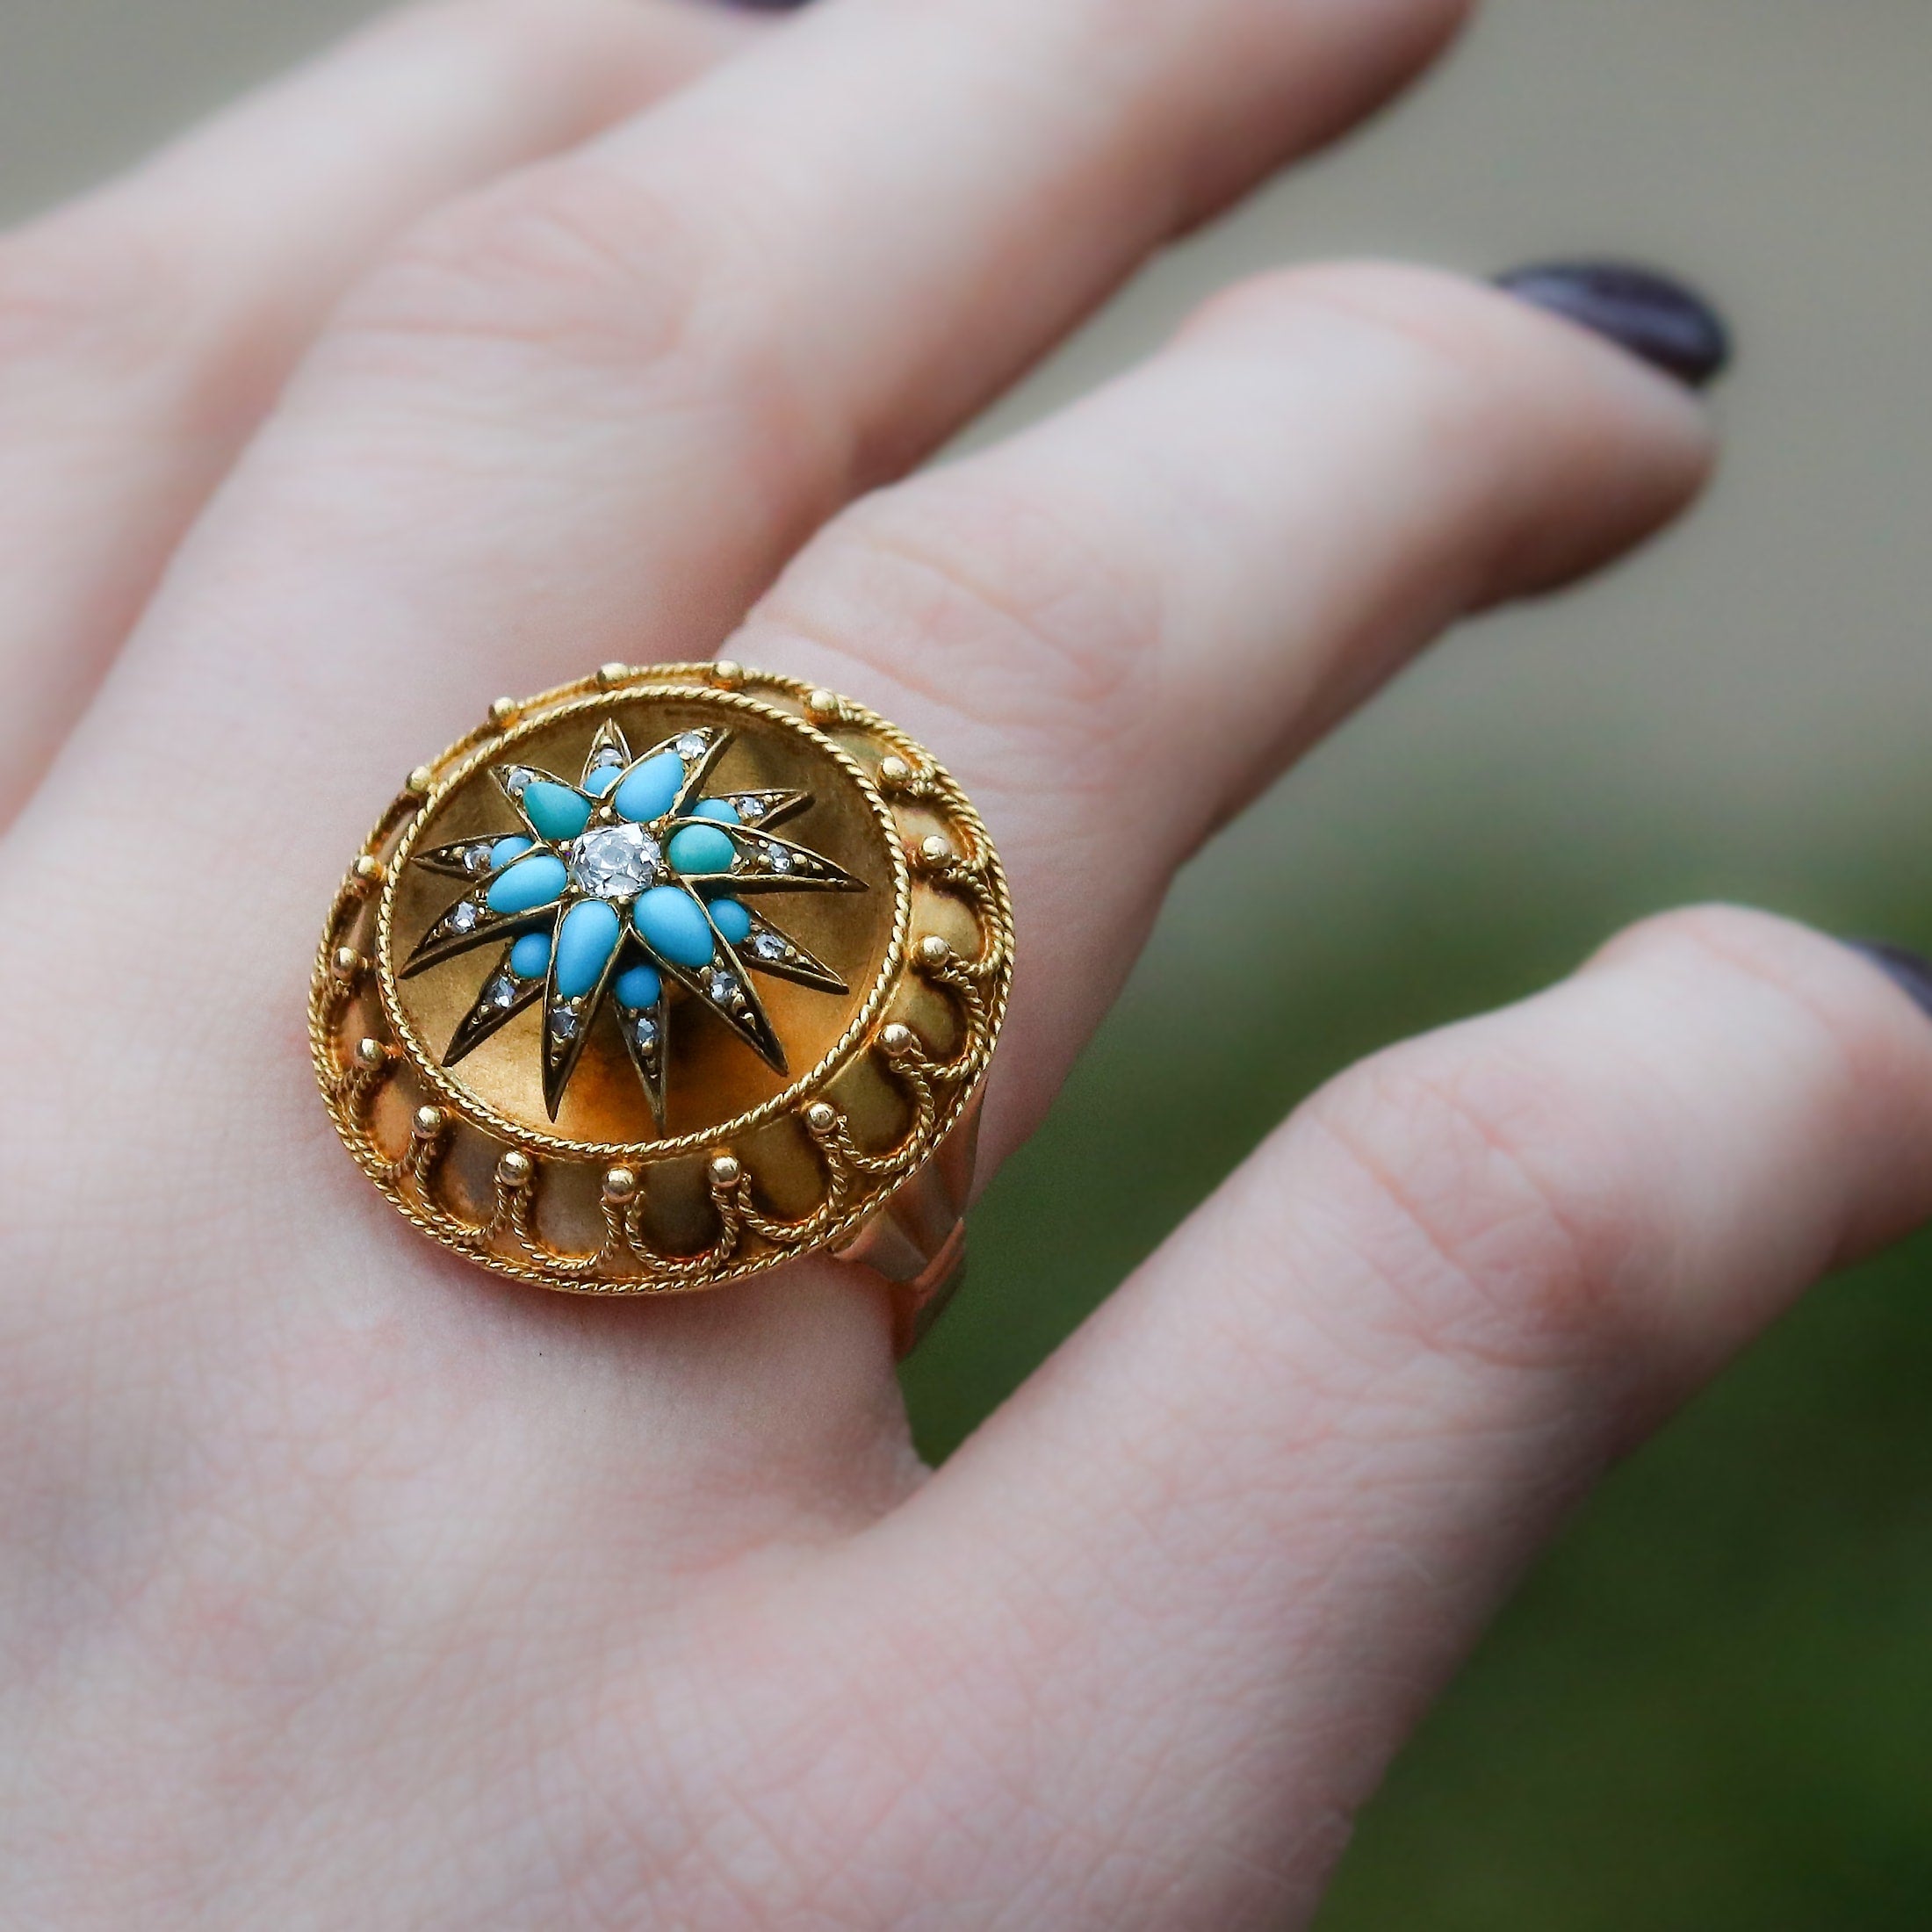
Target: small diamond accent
{"x": 477, "y": 859}
{"x": 464, "y": 919}
{"x": 753, "y": 809}
{"x": 768, "y": 945}
{"x": 563, "y": 1023}
{"x": 723, "y": 985}
{"x": 777, "y": 858}
{"x": 614, "y": 861}
{"x": 500, "y": 993}
{"x": 645, "y": 1032}
{"x": 691, "y": 746}
{"x": 518, "y": 782}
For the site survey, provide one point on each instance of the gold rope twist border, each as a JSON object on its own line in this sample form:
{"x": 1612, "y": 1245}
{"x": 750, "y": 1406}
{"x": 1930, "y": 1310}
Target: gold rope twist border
{"x": 858, "y": 1181}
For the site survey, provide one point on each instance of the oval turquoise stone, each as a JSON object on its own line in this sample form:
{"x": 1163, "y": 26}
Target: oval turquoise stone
{"x": 556, "y": 810}
{"x": 720, "y": 810}
{"x": 530, "y": 958}
{"x": 671, "y": 924}
{"x": 701, "y": 848}
{"x": 652, "y": 789}
{"x": 512, "y": 848}
{"x": 603, "y": 779}
{"x": 585, "y": 942}
{"x": 528, "y": 883}
{"x": 638, "y": 987}
{"x": 732, "y": 919}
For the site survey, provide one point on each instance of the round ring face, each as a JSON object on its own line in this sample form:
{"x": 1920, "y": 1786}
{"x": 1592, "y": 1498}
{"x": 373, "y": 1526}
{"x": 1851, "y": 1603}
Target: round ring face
{"x": 717, "y": 895}
{"x": 660, "y": 979}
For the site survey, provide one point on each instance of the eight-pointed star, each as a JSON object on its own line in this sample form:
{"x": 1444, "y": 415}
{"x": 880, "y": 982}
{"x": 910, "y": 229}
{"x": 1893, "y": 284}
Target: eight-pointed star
{"x": 620, "y": 889}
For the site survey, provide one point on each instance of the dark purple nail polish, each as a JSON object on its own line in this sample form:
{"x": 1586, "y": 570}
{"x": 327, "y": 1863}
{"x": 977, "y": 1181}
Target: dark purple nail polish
{"x": 1658, "y": 320}
{"x": 1910, "y": 972}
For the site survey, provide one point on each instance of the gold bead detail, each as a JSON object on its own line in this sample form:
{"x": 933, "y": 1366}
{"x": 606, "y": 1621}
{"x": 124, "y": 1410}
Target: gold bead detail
{"x": 422, "y": 780}
{"x": 894, "y": 773}
{"x": 504, "y": 713}
{"x": 514, "y": 1170}
{"x": 346, "y": 964}
{"x": 820, "y": 1117}
{"x": 822, "y": 707}
{"x": 620, "y": 1183}
{"x": 610, "y": 675}
{"x": 898, "y": 1039}
{"x": 371, "y": 1054}
{"x": 934, "y": 952}
{"x": 429, "y": 1122}
{"x": 370, "y": 871}
{"x": 725, "y": 1172}
{"x": 935, "y": 850}
{"x": 728, "y": 673}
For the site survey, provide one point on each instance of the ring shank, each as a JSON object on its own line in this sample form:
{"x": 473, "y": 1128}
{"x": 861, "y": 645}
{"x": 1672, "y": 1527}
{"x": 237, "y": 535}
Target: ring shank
{"x": 917, "y": 1240}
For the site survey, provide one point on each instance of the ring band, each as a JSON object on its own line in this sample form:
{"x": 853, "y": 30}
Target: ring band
{"x": 589, "y": 1018}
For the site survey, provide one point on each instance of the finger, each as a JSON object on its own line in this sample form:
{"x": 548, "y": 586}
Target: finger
{"x": 1257, "y": 1509}
{"x": 1123, "y": 623}
{"x": 586, "y": 415}
{"x": 1145, "y": 604}
{"x": 144, "y": 330}
{"x": 1114, "y": 628}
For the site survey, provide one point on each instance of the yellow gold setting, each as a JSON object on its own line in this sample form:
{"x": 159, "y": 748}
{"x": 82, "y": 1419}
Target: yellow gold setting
{"x": 825, "y": 1098}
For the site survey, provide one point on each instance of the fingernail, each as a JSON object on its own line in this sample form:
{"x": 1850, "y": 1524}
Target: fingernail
{"x": 1658, "y": 320}
{"x": 1910, "y": 972}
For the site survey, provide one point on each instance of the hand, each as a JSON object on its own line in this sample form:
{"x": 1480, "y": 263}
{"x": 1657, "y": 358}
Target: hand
{"x": 345, "y": 1585}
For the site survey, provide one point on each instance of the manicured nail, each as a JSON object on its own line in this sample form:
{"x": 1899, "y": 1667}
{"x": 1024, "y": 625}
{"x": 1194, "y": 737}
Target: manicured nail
{"x": 1910, "y": 972}
{"x": 1659, "y": 321}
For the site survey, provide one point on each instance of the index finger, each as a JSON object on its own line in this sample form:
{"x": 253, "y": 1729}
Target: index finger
{"x": 146, "y": 328}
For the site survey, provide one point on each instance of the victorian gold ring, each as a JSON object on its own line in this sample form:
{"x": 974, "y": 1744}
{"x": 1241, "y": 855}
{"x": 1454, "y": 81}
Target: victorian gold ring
{"x": 668, "y": 976}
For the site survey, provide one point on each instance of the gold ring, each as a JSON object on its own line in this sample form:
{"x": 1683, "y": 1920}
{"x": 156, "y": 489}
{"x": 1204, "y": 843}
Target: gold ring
{"x": 668, "y": 976}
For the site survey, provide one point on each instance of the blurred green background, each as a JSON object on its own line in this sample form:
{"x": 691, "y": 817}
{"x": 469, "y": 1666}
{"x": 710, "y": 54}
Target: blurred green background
{"x": 1708, "y": 1708}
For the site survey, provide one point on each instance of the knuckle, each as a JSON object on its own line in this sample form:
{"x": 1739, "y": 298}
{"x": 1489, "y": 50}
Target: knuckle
{"x": 1489, "y": 1204}
{"x": 575, "y": 261}
{"x": 983, "y": 599}
{"x": 585, "y": 284}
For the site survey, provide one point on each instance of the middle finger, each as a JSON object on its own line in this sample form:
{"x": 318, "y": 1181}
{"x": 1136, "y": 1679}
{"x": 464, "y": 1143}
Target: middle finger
{"x": 584, "y": 415}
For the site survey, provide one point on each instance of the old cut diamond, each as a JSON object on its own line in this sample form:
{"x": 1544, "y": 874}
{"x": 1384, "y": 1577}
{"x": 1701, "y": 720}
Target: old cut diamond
{"x": 691, "y": 746}
{"x": 768, "y": 945}
{"x": 463, "y": 918}
{"x": 614, "y": 862}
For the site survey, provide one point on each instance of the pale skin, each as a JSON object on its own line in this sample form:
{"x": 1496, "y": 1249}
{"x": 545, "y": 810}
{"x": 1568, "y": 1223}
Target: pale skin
{"x": 347, "y": 1586}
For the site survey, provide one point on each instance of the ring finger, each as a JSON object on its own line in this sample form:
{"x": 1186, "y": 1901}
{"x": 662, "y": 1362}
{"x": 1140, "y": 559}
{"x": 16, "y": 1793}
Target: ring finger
{"x": 1123, "y": 623}
{"x": 1119, "y": 625}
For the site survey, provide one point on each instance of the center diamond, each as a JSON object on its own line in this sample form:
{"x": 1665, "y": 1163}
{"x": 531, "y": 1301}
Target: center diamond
{"x": 614, "y": 862}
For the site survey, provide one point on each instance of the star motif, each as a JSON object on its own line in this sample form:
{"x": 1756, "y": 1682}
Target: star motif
{"x": 621, "y": 889}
